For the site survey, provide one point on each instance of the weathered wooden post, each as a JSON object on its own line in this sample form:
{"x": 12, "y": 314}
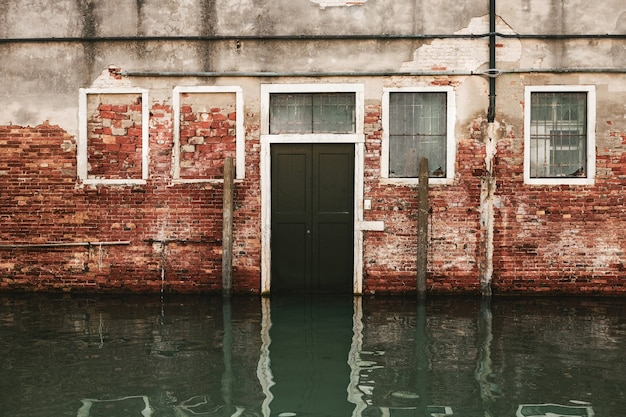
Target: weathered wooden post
{"x": 227, "y": 229}
{"x": 422, "y": 228}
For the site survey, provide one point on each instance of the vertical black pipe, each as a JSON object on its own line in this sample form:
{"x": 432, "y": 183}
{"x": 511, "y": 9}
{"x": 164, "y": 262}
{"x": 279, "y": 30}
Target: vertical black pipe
{"x": 491, "y": 113}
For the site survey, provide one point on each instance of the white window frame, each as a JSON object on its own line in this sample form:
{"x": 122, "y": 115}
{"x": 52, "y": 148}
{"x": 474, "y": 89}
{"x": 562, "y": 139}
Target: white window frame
{"x": 268, "y": 89}
{"x": 82, "y": 162}
{"x": 357, "y": 138}
{"x": 240, "y": 163}
{"x": 591, "y": 134}
{"x": 450, "y": 139}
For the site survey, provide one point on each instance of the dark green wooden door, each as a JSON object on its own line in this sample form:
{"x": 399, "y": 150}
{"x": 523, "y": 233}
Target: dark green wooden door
{"x": 312, "y": 218}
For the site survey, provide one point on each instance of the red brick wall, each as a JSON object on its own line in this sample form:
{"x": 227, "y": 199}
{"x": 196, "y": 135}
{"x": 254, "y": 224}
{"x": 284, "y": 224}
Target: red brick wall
{"x": 206, "y": 139}
{"x": 174, "y": 229}
{"x": 454, "y": 234}
{"x": 560, "y": 239}
{"x": 547, "y": 239}
{"x": 114, "y": 141}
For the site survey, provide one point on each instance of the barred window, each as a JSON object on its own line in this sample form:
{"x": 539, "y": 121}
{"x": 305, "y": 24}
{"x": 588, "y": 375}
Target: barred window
{"x": 558, "y": 134}
{"x": 417, "y": 129}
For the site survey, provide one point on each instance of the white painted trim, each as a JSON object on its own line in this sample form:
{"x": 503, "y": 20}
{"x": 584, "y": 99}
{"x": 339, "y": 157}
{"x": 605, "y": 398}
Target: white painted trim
{"x": 372, "y": 225}
{"x": 81, "y": 146}
{"x": 357, "y": 138}
{"x": 313, "y": 138}
{"x": 591, "y": 134}
{"x": 240, "y": 158}
{"x": 121, "y": 181}
{"x": 359, "y": 179}
{"x": 266, "y": 215}
{"x": 82, "y": 162}
{"x": 450, "y": 140}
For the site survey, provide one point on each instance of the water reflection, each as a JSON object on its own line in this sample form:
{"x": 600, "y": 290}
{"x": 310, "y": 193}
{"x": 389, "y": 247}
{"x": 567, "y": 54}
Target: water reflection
{"x": 188, "y": 356}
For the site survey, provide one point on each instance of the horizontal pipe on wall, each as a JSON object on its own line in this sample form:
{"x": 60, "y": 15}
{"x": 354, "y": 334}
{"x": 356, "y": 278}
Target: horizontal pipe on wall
{"x": 263, "y": 38}
{"x": 228, "y": 38}
{"x": 565, "y": 70}
{"x": 562, "y": 36}
{"x": 287, "y": 73}
{"x": 62, "y": 244}
{"x": 183, "y": 241}
{"x": 261, "y": 74}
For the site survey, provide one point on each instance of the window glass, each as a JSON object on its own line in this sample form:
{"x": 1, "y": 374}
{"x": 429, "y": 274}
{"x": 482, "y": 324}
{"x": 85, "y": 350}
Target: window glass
{"x": 558, "y": 134}
{"x": 417, "y": 129}
{"x": 304, "y": 113}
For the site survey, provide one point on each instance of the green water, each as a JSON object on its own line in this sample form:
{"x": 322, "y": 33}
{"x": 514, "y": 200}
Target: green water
{"x": 192, "y": 356}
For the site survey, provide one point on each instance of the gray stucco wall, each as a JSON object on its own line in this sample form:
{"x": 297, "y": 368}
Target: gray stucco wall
{"x": 41, "y": 79}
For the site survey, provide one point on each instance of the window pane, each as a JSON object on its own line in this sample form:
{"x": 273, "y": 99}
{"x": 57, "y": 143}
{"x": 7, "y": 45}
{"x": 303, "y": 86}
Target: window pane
{"x": 312, "y": 113}
{"x": 290, "y": 113}
{"x": 417, "y": 128}
{"x": 558, "y": 135}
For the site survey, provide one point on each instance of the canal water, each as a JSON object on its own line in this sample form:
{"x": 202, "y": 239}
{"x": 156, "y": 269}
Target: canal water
{"x": 201, "y": 356}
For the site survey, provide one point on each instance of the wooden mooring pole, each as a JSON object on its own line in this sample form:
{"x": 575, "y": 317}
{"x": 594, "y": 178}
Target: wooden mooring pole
{"x": 227, "y": 229}
{"x": 422, "y": 228}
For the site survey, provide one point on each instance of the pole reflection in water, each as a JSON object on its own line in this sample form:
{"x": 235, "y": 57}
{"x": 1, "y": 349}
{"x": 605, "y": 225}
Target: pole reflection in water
{"x": 188, "y": 356}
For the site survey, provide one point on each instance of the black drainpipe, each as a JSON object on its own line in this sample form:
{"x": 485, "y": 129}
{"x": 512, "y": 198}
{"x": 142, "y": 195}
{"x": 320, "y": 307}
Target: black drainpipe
{"x": 488, "y": 184}
{"x": 491, "y": 112}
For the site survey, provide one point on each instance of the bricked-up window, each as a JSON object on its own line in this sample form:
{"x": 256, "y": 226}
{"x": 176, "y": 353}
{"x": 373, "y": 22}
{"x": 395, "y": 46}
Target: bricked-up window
{"x": 558, "y": 136}
{"x": 418, "y": 123}
{"x": 208, "y": 128}
{"x": 113, "y": 136}
{"x": 312, "y": 113}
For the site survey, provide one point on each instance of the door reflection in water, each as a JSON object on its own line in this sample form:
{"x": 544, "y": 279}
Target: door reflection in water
{"x": 190, "y": 356}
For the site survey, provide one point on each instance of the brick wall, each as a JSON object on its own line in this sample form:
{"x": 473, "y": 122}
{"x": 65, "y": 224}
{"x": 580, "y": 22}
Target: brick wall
{"x": 173, "y": 230}
{"x": 114, "y": 140}
{"x": 454, "y": 252}
{"x": 560, "y": 239}
{"x": 547, "y": 239}
{"x": 206, "y": 138}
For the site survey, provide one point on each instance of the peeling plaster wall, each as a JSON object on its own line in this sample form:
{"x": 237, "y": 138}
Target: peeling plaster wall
{"x": 53, "y": 71}
{"x": 465, "y": 54}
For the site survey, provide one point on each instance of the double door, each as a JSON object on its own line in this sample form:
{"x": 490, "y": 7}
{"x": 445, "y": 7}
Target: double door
{"x": 312, "y": 240}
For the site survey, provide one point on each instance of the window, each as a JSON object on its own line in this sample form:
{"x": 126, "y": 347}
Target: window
{"x": 559, "y": 135}
{"x": 113, "y": 136}
{"x": 312, "y": 113}
{"x": 330, "y": 113}
{"x": 418, "y": 123}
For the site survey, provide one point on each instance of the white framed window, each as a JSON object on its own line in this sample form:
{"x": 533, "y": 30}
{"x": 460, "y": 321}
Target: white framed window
{"x": 559, "y": 135}
{"x": 417, "y": 123}
{"x": 113, "y": 145}
{"x": 208, "y": 127}
{"x": 312, "y": 113}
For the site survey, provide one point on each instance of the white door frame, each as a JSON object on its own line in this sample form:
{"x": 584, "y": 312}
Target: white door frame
{"x": 357, "y": 138}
